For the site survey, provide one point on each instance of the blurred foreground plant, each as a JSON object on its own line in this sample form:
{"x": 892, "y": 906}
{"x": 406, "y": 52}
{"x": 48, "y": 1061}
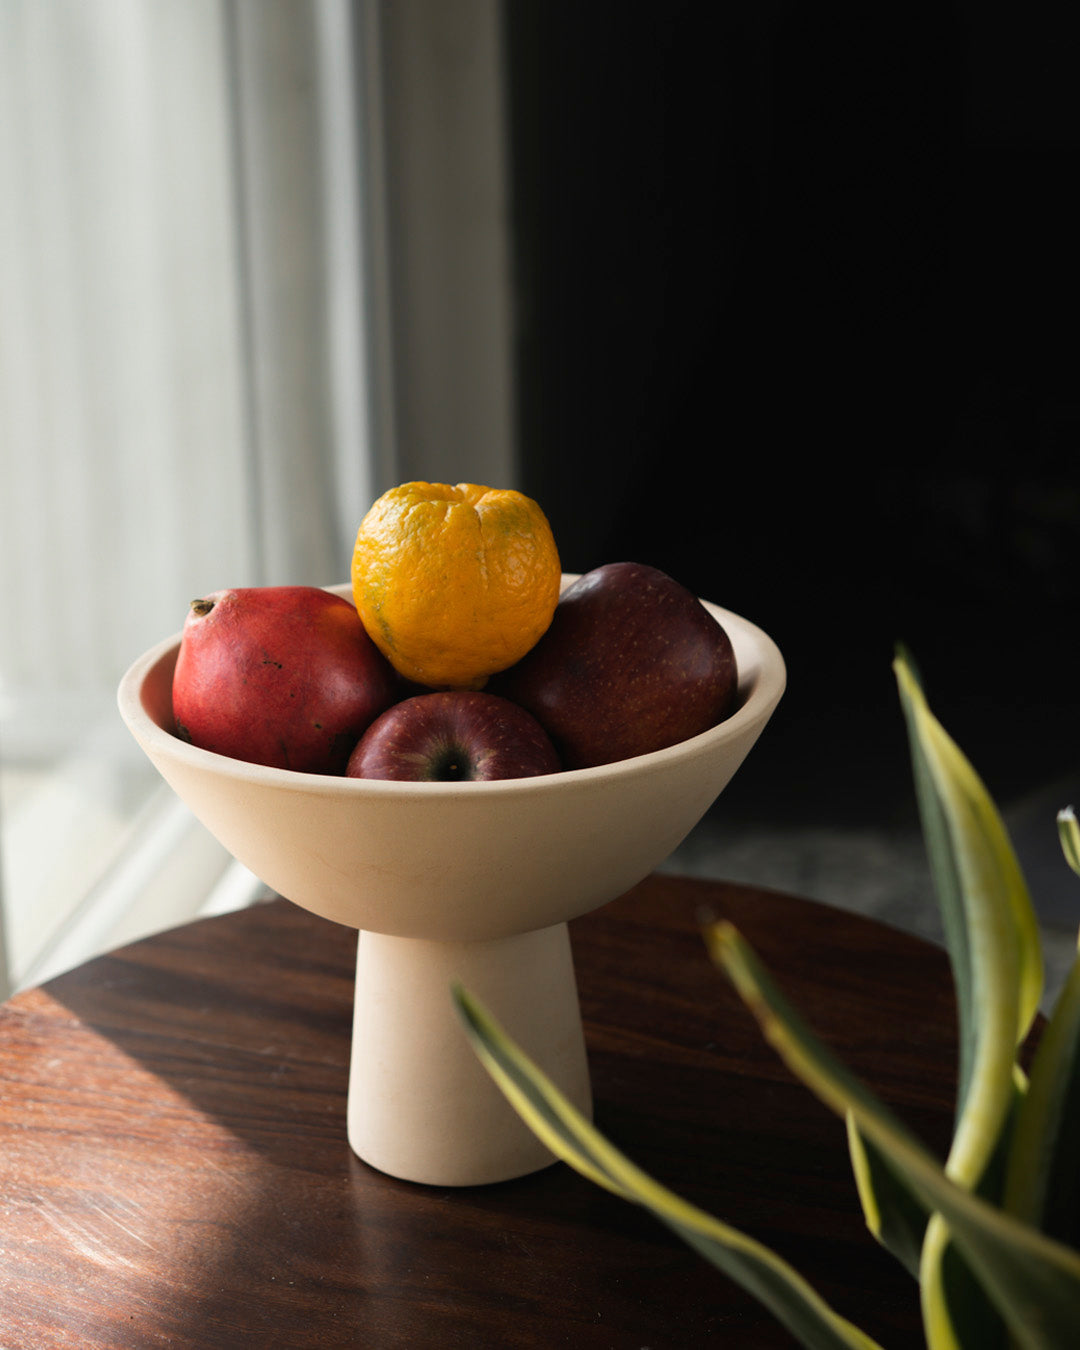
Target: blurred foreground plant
{"x": 993, "y": 1235}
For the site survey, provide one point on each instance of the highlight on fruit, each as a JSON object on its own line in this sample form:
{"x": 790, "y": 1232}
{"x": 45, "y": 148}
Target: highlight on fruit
{"x": 460, "y": 658}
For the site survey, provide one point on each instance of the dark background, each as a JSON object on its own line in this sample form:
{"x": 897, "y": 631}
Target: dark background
{"x": 798, "y": 292}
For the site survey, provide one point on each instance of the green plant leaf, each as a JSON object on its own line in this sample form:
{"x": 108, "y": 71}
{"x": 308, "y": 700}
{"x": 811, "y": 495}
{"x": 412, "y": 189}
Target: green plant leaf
{"x": 943, "y": 869}
{"x": 1043, "y": 1178}
{"x": 956, "y": 1310}
{"x": 1069, "y": 834}
{"x": 894, "y": 1214}
{"x": 1032, "y": 1280}
{"x": 1042, "y": 1183}
{"x": 993, "y": 940}
{"x": 990, "y": 927}
{"x": 559, "y": 1125}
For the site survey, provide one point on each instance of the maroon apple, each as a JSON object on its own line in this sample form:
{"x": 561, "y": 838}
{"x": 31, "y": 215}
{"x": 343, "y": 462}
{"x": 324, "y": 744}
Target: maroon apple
{"x": 632, "y": 662}
{"x": 279, "y": 675}
{"x": 453, "y": 736}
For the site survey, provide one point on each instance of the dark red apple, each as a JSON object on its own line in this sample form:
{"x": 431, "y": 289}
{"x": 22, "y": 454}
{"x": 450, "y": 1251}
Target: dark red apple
{"x": 632, "y": 662}
{"x": 279, "y": 675}
{"x": 453, "y": 736}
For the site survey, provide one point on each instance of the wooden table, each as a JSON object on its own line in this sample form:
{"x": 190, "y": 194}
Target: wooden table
{"x": 174, "y": 1169}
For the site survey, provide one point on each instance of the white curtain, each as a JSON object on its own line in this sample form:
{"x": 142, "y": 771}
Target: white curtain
{"x": 182, "y": 405}
{"x": 234, "y": 307}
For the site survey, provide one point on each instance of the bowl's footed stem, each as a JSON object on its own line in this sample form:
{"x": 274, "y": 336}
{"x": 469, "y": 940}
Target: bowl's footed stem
{"x": 421, "y": 1105}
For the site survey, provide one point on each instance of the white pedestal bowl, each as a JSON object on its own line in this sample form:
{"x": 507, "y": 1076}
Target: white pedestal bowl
{"x": 456, "y": 881}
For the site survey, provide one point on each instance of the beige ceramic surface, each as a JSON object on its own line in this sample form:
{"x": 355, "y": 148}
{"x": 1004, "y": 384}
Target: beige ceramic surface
{"x": 465, "y": 872}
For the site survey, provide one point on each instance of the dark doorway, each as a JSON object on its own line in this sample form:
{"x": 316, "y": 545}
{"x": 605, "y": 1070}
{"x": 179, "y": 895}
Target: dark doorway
{"x": 797, "y": 291}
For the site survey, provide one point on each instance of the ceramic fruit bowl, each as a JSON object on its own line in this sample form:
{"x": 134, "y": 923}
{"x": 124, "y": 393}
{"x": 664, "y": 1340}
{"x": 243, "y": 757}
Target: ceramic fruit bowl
{"x": 456, "y": 881}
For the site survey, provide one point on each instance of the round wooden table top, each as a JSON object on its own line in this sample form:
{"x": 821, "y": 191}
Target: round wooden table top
{"x": 174, "y": 1169}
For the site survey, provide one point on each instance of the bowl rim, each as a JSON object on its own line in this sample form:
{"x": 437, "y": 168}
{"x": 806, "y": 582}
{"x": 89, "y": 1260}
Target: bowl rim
{"x": 758, "y": 703}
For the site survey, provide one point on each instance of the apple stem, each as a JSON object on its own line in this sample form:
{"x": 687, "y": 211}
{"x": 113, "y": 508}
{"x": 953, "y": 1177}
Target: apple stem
{"x": 201, "y": 607}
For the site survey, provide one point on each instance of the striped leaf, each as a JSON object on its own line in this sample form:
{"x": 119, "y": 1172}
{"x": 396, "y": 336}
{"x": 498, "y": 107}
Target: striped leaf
{"x": 1069, "y": 834}
{"x": 577, "y": 1142}
{"x": 993, "y": 940}
{"x": 1032, "y": 1281}
{"x": 1043, "y": 1178}
{"x": 894, "y": 1214}
{"x": 990, "y": 927}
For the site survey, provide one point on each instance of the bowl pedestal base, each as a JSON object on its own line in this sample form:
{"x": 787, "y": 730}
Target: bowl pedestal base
{"x": 421, "y": 1106}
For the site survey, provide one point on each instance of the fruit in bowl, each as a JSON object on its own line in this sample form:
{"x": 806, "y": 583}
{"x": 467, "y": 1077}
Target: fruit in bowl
{"x": 632, "y": 662}
{"x": 279, "y": 675}
{"x": 454, "y": 736}
{"x": 454, "y": 582}
{"x": 454, "y": 589}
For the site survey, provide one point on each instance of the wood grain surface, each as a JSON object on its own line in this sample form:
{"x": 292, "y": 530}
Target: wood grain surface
{"x": 174, "y": 1169}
